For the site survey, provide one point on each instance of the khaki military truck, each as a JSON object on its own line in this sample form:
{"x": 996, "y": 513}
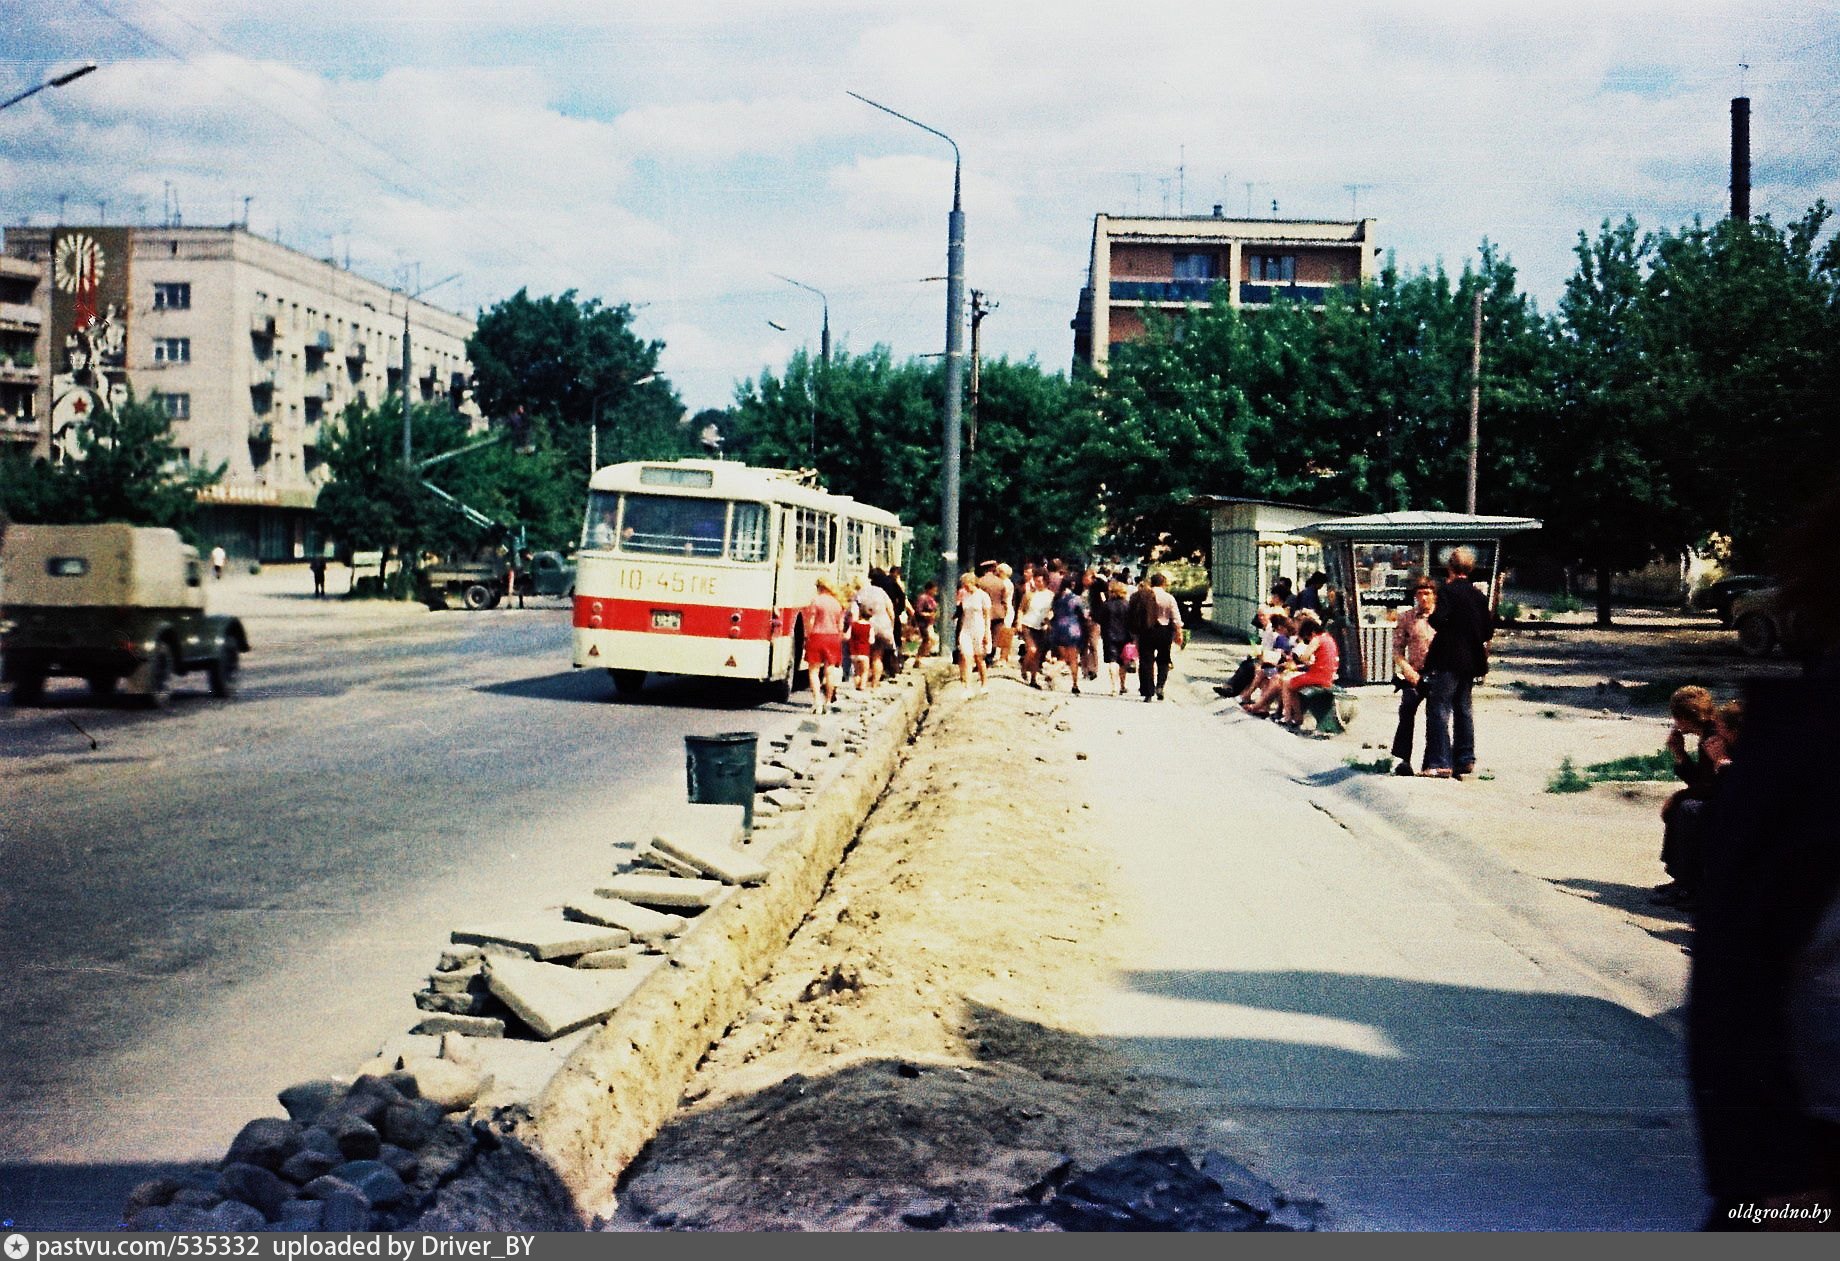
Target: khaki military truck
{"x": 112, "y": 605}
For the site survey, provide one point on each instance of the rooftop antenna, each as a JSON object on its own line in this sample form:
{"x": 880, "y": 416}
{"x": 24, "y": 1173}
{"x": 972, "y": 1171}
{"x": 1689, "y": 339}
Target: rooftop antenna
{"x": 102, "y": 210}
{"x": 1163, "y": 183}
{"x": 1249, "y": 199}
{"x": 1354, "y": 195}
{"x": 1274, "y": 207}
{"x": 1181, "y": 179}
{"x": 62, "y": 198}
{"x": 246, "y": 202}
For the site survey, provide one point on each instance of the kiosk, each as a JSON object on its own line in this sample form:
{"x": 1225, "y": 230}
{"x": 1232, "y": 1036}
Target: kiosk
{"x": 1373, "y": 560}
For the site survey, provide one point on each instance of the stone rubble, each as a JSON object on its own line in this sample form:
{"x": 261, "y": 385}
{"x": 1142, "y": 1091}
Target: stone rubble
{"x": 505, "y": 1005}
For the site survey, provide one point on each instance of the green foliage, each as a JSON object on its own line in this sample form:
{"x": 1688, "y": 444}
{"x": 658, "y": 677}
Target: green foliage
{"x": 1508, "y": 611}
{"x": 566, "y": 363}
{"x": 1375, "y": 766}
{"x": 1565, "y": 602}
{"x": 127, "y": 468}
{"x": 373, "y": 503}
{"x": 871, "y": 427}
{"x": 1634, "y": 769}
{"x": 1568, "y": 780}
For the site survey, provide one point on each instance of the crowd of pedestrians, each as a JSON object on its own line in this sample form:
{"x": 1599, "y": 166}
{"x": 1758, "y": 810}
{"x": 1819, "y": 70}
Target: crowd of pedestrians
{"x": 1050, "y": 621}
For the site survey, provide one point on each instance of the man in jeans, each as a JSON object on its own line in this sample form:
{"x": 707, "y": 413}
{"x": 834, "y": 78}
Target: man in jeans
{"x": 1156, "y": 620}
{"x": 1458, "y": 656}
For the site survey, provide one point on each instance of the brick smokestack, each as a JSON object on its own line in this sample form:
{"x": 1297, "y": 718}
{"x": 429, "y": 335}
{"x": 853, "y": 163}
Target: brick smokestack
{"x": 1741, "y": 158}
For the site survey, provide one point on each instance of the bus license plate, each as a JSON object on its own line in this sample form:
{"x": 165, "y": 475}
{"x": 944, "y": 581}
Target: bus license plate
{"x": 667, "y": 619}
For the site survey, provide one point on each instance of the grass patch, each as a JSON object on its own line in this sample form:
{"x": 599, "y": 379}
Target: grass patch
{"x": 1633, "y": 769}
{"x": 1549, "y": 713}
{"x": 1378, "y": 766}
{"x": 1565, "y": 604}
{"x": 1567, "y": 780}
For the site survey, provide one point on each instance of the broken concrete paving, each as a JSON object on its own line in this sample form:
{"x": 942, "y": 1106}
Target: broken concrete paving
{"x": 463, "y": 1052}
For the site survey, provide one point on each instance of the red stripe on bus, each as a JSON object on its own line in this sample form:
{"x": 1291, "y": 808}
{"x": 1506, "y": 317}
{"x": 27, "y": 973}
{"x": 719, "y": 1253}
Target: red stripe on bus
{"x": 698, "y": 621}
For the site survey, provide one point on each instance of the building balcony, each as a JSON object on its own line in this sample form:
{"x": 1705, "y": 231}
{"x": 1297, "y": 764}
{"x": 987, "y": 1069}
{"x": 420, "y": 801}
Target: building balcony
{"x": 262, "y": 324}
{"x": 1265, "y": 295}
{"x": 20, "y": 317}
{"x": 1163, "y": 290}
{"x": 354, "y": 352}
{"x": 261, "y": 434}
{"x": 16, "y": 427}
{"x": 319, "y": 343}
{"x": 262, "y": 380}
{"x": 18, "y": 373}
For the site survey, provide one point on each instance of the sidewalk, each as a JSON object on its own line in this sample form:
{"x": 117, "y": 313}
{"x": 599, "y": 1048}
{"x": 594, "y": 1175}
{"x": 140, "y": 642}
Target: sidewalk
{"x": 1369, "y": 1006}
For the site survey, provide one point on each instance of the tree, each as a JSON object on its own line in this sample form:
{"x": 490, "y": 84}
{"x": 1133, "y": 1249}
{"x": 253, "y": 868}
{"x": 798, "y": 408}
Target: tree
{"x": 1613, "y": 504}
{"x": 126, "y": 468}
{"x": 569, "y": 363}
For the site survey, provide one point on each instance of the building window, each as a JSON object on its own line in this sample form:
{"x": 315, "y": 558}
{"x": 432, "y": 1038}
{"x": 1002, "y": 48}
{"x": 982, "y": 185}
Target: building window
{"x": 1196, "y": 267}
{"x": 1270, "y": 267}
{"x": 172, "y": 350}
{"x": 172, "y": 296}
{"x": 176, "y": 406}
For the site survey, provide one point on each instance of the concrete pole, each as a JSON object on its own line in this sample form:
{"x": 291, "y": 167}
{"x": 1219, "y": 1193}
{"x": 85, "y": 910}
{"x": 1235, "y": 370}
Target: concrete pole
{"x": 1475, "y": 397}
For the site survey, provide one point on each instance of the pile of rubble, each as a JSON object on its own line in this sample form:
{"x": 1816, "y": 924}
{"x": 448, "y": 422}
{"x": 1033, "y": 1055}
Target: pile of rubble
{"x": 366, "y": 1156}
{"x": 1156, "y": 1189}
{"x": 505, "y": 1005}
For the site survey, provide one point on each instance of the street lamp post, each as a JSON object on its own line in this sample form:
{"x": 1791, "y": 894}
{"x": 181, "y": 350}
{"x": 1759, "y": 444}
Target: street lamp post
{"x": 594, "y": 423}
{"x": 824, "y": 359}
{"x": 408, "y": 440}
{"x": 59, "y": 81}
{"x": 955, "y": 375}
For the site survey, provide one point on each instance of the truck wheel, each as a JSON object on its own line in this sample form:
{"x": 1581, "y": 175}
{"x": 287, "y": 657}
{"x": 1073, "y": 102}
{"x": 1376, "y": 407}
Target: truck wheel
{"x": 477, "y": 596}
{"x": 159, "y": 678}
{"x": 28, "y": 687}
{"x": 1756, "y": 634}
{"x": 223, "y": 671}
{"x": 102, "y": 686}
{"x": 628, "y": 682}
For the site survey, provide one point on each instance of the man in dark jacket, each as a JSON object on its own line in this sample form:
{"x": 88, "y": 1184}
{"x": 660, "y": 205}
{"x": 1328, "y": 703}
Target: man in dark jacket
{"x": 1458, "y": 656}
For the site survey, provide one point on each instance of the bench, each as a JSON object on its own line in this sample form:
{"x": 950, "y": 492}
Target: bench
{"x": 1331, "y": 707}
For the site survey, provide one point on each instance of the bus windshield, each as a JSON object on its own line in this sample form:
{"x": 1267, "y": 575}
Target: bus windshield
{"x": 676, "y": 525}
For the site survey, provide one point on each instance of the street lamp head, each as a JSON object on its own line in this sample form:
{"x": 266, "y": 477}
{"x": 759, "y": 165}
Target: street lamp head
{"x": 70, "y": 76}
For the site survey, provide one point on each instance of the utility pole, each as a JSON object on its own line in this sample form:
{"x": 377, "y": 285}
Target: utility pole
{"x": 1475, "y": 396}
{"x": 979, "y": 309}
{"x": 408, "y": 440}
{"x": 955, "y": 369}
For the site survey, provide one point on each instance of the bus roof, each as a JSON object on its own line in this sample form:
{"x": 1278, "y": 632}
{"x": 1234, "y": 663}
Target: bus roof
{"x": 730, "y": 479}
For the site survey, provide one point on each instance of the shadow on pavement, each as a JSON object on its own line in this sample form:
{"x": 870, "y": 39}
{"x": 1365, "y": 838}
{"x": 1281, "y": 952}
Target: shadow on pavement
{"x": 1635, "y": 900}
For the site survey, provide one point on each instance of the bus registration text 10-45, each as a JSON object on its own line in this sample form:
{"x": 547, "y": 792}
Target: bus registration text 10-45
{"x": 637, "y": 580}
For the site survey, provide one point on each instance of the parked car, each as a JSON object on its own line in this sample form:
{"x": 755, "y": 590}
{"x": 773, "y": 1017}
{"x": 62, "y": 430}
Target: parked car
{"x": 1717, "y": 597}
{"x": 110, "y": 604}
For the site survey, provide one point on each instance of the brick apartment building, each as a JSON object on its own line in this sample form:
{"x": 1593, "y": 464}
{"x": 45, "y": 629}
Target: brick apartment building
{"x": 1171, "y": 263}
{"x": 250, "y": 347}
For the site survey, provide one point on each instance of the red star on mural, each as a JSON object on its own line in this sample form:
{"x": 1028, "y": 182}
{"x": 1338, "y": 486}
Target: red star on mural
{"x": 80, "y": 406}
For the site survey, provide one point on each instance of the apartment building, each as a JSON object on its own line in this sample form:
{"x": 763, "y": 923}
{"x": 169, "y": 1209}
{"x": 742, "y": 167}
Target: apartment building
{"x": 20, "y": 325}
{"x": 1141, "y": 263}
{"x": 251, "y": 347}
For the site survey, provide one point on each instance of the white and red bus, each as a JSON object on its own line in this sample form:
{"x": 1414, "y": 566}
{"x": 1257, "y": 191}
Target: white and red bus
{"x": 704, "y": 567}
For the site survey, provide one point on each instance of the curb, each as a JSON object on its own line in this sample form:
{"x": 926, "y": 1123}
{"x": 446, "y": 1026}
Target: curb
{"x": 620, "y": 1085}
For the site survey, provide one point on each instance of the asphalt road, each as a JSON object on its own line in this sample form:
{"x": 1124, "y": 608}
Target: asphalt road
{"x": 231, "y": 896}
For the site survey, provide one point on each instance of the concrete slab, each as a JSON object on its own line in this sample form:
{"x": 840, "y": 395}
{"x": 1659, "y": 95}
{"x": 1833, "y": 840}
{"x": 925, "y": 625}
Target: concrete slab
{"x": 648, "y": 855}
{"x": 722, "y": 861}
{"x": 544, "y": 936}
{"x": 706, "y": 823}
{"x": 555, "y": 1000}
{"x": 785, "y": 799}
{"x": 466, "y": 1026}
{"x": 671, "y": 891}
{"x": 642, "y": 922}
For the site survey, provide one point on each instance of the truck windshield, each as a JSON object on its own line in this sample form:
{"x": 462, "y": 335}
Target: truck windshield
{"x": 676, "y": 525}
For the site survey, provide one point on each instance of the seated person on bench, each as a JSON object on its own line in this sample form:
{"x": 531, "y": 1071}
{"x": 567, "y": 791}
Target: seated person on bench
{"x": 1325, "y": 658}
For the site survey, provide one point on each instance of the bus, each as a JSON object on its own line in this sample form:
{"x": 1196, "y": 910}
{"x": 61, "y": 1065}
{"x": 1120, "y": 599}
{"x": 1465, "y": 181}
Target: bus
{"x": 704, "y": 567}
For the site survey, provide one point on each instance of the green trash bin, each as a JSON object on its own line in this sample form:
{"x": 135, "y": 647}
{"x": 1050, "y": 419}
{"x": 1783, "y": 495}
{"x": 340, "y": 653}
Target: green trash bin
{"x": 720, "y": 770}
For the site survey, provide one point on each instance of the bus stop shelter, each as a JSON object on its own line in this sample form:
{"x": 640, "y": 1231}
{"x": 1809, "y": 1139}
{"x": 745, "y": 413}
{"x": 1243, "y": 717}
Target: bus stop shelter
{"x": 1373, "y": 561}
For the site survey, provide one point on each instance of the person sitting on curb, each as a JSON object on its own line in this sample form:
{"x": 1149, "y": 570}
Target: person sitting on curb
{"x": 1695, "y": 716}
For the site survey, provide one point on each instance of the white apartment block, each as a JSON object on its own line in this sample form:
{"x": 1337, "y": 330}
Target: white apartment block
{"x": 251, "y": 347}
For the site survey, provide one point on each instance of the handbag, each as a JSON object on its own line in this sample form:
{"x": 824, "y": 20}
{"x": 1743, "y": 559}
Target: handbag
{"x": 1129, "y": 653}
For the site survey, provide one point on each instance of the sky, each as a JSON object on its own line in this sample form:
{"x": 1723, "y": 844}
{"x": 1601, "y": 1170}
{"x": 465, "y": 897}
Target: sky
{"x": 680, "y": 157}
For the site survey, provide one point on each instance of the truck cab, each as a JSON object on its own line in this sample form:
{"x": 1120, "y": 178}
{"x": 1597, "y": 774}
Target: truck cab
{"x": 113, "y": 605}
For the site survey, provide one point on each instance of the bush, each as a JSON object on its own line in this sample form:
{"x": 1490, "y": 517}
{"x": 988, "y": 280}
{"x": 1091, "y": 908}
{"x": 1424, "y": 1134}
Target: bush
{"x": 1565, "y": 602}
{"x": 1508, "y": 611}
{"x": 1568, "y": 780}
